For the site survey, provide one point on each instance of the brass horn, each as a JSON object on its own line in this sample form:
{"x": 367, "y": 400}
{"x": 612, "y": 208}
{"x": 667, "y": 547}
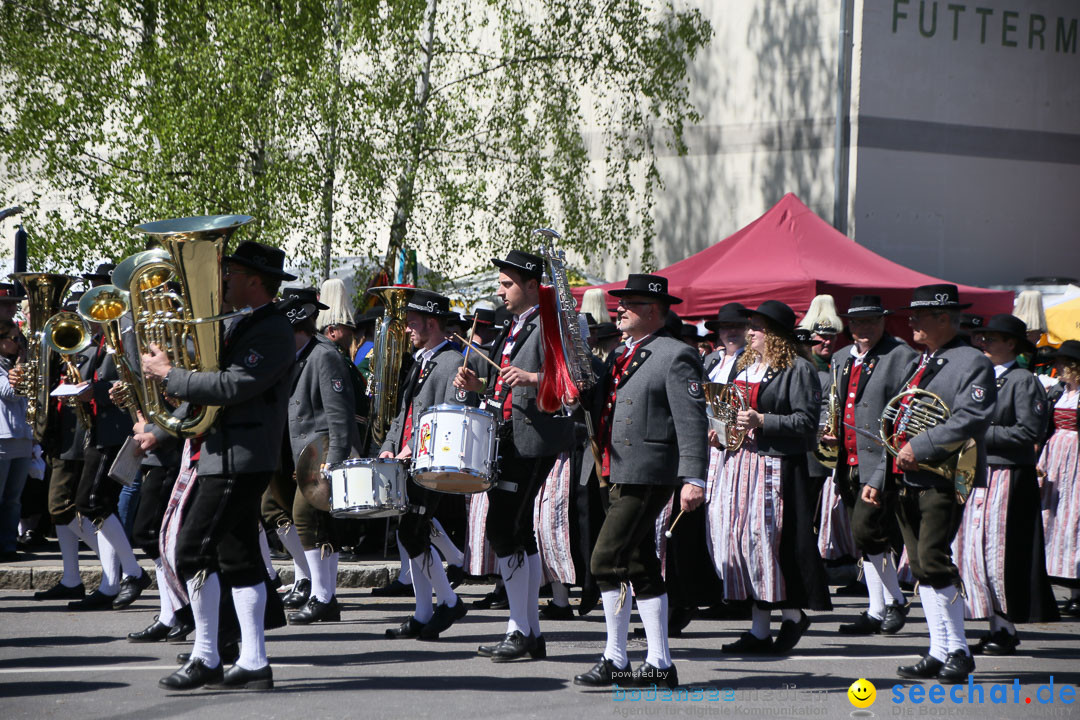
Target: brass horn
{"x": 913, "y": 412}
{"x": 66, "y": 334}
{"x": 391, "y": 343}
{"x": 725, "y": 400}
{"x": 829, "y": 455}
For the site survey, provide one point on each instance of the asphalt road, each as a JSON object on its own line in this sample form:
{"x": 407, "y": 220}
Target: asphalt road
{"x": 56, "y": 663}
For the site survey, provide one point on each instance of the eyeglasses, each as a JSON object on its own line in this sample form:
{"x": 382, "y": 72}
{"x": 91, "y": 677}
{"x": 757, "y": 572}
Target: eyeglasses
{"x": 757, "y": 327}
{"x": 635, "y": 303}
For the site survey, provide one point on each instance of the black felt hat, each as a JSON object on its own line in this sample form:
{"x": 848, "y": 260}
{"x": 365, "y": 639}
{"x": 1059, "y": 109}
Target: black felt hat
{"x": 483, "y": 316}
{"x": 1011, "y": 326}
{"x": 732, "y": 313}
{"x": 101, "y": 272}
{"x": 1069, "y": 349}
{"x": 654, "y": 286}
{"x": 605, "y": 330}
{"x": 864, "y": 306}
{"x": 529, "y": 265}
{"x": 266, "y": 260}
{"x": 943, "y": 296}
{"x": 306, "y": 295}
{"x": 782, "y": 316}
{"x": 430, "y": 303}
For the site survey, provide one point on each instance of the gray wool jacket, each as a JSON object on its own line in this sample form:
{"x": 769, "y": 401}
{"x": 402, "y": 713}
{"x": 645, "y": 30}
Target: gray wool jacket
{"x": 1018, "y": 420}
{"x": 964, "y": 379}
{"x": 659, "y": 430}
{"x": 251, "y": 387}
{"x": 885, "y": 368}
{"x": 321, "y": 402}
{"x": 434, "y": 386}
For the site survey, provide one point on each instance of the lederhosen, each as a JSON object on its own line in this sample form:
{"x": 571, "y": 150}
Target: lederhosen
{"x": 63, "y": 444}
{"x": 414, "y": 527}
{"x": 98, "y": 493}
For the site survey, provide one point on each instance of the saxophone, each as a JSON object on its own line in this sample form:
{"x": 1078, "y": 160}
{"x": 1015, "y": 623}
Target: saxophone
{"x": 828, "y": 455}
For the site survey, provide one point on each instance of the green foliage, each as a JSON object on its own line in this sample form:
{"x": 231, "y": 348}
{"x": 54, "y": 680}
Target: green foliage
{"x": 339, "y": 120}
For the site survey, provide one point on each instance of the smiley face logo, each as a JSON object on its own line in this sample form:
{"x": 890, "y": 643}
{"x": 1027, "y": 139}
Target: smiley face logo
{"x": 862, "y": 693}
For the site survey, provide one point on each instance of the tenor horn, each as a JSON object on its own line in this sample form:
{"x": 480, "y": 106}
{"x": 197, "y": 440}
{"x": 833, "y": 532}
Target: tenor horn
{"x": 725, "y": 400}
{"x": 66, "y": 334}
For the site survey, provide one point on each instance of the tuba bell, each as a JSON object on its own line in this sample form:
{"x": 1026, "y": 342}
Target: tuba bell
{"x": 45, "y": 294}
{"x": 391, "y": 343}
{"x": 66, "y": 334}
{"x": 725, "y": 400}
{"x": 913, "y": 412}
{"x": 186, "y": 323}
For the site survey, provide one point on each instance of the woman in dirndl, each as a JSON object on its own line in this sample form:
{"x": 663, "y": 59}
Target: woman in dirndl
{"x": 999, "y": 547}
{"x": 769, "y": 557}
{"x": 1059, "y": 466}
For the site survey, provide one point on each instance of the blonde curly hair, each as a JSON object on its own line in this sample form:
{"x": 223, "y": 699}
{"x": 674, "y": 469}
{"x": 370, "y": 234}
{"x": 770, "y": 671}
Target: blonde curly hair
{"x": 779, "y": 348}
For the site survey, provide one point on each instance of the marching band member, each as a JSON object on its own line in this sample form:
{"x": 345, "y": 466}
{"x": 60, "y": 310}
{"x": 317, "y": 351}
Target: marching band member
{"x": 770, "y": 555}
{"x": 320, "y": 404}
{"x": 429, "y": 383}
{"x": 869, "y": 372}
{"x": 999, "y": 548}
{"x": 220, "y": 532}
{"x": 530, "y": 441}
{"x": 929, "y": 512}
{"x": 652, "y": 426}
{"x": 1060, "y": 461}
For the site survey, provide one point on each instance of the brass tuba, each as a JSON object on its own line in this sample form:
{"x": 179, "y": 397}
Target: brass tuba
{"x": 186, "y": 324}
{"x": 913, "y": 412}
{"x": 45, "y": 294}
{"x": 828, "y": 455}
{"x": 66, "y": 334}
{"x": 725, "y": 400}
{"x": 391, "y": 343}
{"x": 105, "y": 305}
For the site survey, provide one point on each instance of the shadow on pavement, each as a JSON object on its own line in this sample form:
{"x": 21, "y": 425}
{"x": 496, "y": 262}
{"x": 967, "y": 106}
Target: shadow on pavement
{"x": 56, "y": 687}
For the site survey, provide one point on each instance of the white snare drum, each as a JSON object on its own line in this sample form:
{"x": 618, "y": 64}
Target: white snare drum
{"x": 455, "y": 450}
{"x": 368, "y": 488}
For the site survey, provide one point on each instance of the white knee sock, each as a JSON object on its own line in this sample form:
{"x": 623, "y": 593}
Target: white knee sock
{"x": 291, "y": 542}
{"x": 405, "y": 571}
{"x": 87, "y": 533}
{"x": 874, "y": 587}
{"x": 264, "y": 548}
{"x": 446, "y": 546}
{"x": 952, "y": 613}
{"x": 114, "y": 531}
{"x": 760, "y": 618}
{"x": 560, "y": 594}
{"x": 250, "y": 603}
{"x": 536, "y": 577}
{"x": 433, "y": 568}
{"x": 939, "y": 641}
{"x": 516, "y": 581}
{"x": 204, "y": 606}
{"x": 166, "y": 615}
{"x": 790, "y": 614}
{"x": 110, "y": 566}
{"x": 322, "y": 585}
{"x": 654, "y": 616}
{"x": 333, "y": 564}
{"x": 891, "y": 584}
{"x": 421, "y": 586}
{"x": 999, "y": 623}
{"x": 69, "y": 552}
{"x": 618, "y": 626}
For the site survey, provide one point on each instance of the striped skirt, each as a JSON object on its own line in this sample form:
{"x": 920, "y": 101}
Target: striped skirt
{"x": 835, "y": 540}
{"x": 551, "y": 518}
{"x": 1061, "y": 504}
{"x": 751, "y": 510}
{"x": 479, "y": 557}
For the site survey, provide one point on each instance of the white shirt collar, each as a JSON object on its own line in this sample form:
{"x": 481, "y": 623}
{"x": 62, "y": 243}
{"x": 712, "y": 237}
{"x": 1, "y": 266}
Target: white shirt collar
{"x": 1000, "y": 370}
{"x": 424, "y": 355}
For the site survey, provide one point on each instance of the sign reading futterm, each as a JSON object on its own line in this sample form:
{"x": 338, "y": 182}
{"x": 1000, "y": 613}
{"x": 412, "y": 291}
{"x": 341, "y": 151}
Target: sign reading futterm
{"x": 993, "y": 26}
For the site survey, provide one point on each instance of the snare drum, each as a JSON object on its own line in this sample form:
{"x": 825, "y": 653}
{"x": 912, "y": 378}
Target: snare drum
{"x": 368, "y": 488}
{"x": 455, "y": 450}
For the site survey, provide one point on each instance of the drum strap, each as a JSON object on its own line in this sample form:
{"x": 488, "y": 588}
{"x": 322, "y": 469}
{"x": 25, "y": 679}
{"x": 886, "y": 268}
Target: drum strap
{"x": 507, "y": 485}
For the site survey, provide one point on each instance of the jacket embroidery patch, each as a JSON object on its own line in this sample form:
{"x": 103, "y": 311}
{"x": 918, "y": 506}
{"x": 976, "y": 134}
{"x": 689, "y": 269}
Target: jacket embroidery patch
{"x": 337, "y": 384}
{"x": 253, "y": 358}
{"x": 694, "y": 388}
{"x": 978, "y": 393}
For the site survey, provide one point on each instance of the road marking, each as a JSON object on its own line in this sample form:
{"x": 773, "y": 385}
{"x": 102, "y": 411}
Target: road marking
{"x": 96, "y": 668}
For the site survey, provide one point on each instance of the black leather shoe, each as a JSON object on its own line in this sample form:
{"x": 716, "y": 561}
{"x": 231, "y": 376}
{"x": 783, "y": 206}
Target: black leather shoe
{"x": 96, "y": 600}
{"x": 863, "y": 625}
{"x": 678, "y": 619}
{"x": 1000, "y": 643}
{"x": 493, "y": 599}
{"x": 790, "y": 633}
{"x": 539, "y": 648}
{"x": 193, "y": 675}
{"x": 62, "y": 592}
{"x": 443, "y": 618}
{"x": 928, "y": 667}
{"x": 409, "y": 629}
{"x": 179, "y": 632}
{"x": 979, "y": 647}
{"x": 513, "y": 647}
{"x": 648, "y": 675}
{"x": 316, "y": 611}
{"x": 455, "y": 574}
{"x": 238, "y": 678}
{"x": 393, "y": 589}
{"x": 957, "y": 667}
{"x": 1072, "y": 608}
{"x": 130, "y": 590}
{"x": 749, "y": 644}
{"x": 895, "y": 617}
{"x": 590, "y": 598}
{"x": 551, "y": 611}
{"x": 603, "y": 674}
{"x": 155, "y": 632}
{"x": 299, "y": 595}
{"x": 229, "y": 652}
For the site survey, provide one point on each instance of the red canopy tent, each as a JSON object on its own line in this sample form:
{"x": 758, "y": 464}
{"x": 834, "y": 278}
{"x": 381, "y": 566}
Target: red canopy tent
{"x": 790, "y": 254}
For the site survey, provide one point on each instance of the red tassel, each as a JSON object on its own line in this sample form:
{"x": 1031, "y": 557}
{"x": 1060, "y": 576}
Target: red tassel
{"x": 556, "y": 383}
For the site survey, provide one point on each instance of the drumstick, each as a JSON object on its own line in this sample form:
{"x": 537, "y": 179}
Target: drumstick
{"x": 468, "y": 347}
{"x": 479, "y": 354}
{"x": 667, "y": 533}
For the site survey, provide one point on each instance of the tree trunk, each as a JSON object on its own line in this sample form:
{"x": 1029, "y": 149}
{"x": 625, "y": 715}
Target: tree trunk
{"x": 407, "y": 179}
{"x": 331, "y": 154}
